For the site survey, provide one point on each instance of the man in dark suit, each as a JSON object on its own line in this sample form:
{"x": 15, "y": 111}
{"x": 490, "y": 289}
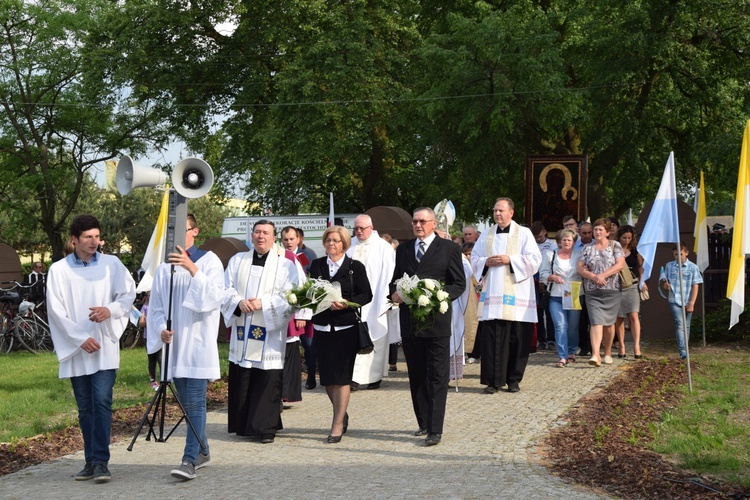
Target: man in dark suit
{"x": 427, "y": 345}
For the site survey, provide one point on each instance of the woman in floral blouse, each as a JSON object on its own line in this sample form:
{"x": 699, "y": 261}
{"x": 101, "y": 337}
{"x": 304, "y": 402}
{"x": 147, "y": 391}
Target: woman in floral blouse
{"x": 598, "y": 265}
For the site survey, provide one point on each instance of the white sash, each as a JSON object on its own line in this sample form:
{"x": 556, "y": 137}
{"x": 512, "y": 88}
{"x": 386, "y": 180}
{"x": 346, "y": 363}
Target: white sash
{"x": 252, "y": 344}
{"x": 509, "y": 296}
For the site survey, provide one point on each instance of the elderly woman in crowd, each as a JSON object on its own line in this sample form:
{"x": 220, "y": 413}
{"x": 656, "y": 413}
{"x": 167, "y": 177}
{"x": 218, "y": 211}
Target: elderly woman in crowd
{"x": 598, "y": 265}
{"x": 335, "y": 340}
{"x": 559, "y": 269}
{"x": 630, "y": 300}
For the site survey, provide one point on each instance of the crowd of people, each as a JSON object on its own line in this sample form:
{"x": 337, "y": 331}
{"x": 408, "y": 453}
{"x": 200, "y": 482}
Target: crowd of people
{"x": 494, "y": 282}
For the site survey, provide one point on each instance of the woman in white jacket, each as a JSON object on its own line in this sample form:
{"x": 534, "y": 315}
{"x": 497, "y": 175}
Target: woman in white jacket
{"x": 559, "y": 269}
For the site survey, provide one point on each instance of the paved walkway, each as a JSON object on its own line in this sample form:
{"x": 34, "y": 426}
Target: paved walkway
{"x": 488, "y": 449}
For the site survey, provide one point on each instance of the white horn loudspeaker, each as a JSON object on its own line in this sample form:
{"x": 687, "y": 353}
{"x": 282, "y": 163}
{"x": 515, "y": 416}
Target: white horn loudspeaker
{"x": 131, "y": 175}
{"x": 192, "y": 177}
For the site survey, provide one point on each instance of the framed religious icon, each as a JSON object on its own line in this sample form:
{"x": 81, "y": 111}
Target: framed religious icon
{"x": 555, "y": 187}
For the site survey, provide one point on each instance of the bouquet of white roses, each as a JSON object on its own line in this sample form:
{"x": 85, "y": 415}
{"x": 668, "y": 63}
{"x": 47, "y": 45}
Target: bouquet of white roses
{"x": 423, "y": 296}
{"x": 317, "y": 295}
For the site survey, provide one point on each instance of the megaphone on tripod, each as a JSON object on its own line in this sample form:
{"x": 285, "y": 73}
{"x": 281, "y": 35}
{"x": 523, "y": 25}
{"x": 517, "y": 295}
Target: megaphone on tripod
{"x": 191, "y": 177}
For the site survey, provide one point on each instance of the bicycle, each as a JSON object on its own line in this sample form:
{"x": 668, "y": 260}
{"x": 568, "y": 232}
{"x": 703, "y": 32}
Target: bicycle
{"x": 15, "y": 333}
{"x": 34, "y": 327}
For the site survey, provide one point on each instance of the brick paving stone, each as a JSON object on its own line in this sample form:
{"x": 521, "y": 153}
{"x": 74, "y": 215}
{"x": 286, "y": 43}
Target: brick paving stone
{"x": 488, "y": 448}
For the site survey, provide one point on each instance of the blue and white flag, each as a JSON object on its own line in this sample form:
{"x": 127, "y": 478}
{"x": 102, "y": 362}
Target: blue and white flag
{"x": 662, "y": 225}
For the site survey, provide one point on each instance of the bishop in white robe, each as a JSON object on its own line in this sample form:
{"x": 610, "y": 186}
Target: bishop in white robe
{"x": 379, "y": 259}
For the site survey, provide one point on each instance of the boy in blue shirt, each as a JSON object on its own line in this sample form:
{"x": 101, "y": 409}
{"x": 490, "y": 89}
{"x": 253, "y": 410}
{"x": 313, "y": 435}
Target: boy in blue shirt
{"x": 669, "y": 282}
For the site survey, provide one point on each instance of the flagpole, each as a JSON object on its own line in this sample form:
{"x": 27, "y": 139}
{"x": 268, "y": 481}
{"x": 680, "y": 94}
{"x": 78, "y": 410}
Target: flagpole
{"x": 684, "y": 321}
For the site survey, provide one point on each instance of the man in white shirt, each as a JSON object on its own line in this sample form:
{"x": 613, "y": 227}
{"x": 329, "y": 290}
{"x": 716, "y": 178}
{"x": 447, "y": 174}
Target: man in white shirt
{"x": 196, "y": 284}
{"x": 89, "y": 297}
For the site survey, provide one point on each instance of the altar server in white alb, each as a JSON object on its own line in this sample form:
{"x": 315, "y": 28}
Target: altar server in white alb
{"x": 257, "y": 311}
{"x": 506, "y": 257}
{"x": 89, "y": 296}
{"x": 197, "y": 294}
{"x": 379, "y": 259}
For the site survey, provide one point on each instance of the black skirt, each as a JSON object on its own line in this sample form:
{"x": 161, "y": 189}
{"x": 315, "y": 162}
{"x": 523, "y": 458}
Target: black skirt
{"x": 336, "y": 352}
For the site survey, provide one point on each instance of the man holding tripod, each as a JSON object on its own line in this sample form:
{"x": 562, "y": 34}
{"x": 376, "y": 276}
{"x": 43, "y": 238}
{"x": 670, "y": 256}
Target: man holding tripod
{"x": 196, "y": 285}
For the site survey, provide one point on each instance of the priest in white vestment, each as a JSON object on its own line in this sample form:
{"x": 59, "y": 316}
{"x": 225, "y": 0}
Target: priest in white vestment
{"x": 257, "y": 311}
{"x": 505, "y": 257}
{"x": 459, "y": 322}
{"x": 379, "y": 259}
{"x": 196, "y": 285}
{"x": 89, "y": 296}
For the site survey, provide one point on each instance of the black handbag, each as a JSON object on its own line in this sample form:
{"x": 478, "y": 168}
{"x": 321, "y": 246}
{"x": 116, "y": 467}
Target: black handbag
{"x": 364, "y": 341}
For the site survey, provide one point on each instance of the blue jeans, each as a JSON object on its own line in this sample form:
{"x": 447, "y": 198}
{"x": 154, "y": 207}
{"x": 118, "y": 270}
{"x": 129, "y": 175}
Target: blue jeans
{"x": 192, "y": 394}
{"x": 676, "y": 311}
{"x": 566, "y": 327}
{"x": 93, "y": 395}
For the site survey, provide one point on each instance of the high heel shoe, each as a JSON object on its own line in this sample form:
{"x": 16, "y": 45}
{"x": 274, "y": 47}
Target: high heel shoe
{"x": 622, "y": 355}
{"x": 334, "y": 439}
{"x": 346, "y": 422}
{"x": 638, "y": 356}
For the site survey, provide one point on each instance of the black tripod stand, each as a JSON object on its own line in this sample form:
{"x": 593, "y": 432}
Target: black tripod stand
{"x": 177, "y": 212}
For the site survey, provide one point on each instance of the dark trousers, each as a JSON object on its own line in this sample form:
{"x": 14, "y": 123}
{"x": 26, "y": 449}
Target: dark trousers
{"x": 393, "y": 353}
{"x": 545, "y": 328}
{"x": 505, "y": 351}
{"x": 428, "y": 365}
{"x": 310, "y": 361}
{"x": 584, "y": 340}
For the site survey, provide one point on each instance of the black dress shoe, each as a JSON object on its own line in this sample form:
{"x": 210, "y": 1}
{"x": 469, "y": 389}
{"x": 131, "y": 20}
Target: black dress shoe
{"x": 310, "y": 384}
{"x": 354, "y": 386}
{"x": 267, "y": 438}
{"x": 490, "y": 390}
{"x": 513, "y": 387}
{"x": 374, "y": 385}
{"x": 420, "y": 432}
{"x": 432, "y": 439}
{"x": 334, "y": 439}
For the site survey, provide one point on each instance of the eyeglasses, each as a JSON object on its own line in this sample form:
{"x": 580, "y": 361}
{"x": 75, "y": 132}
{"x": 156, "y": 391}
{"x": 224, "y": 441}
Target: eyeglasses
{"x": 329, "y": 240}
{"x": 417, "y": 222}
{"x": 361, "y": 228}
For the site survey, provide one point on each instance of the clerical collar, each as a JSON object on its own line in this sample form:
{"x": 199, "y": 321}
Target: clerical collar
{"x": 503, "y": 230}
{"x": 259, "y": 260}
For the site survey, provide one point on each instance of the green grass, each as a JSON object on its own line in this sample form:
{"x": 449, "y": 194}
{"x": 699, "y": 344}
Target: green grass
{"x": 709, "y": 432}
{"x": 33, "y": 400}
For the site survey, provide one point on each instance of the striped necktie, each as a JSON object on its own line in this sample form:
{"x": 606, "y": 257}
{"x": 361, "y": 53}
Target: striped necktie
{"x": 420, "y": 252}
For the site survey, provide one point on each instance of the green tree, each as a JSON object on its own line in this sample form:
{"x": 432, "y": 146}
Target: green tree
{"x": 62, "y": 111}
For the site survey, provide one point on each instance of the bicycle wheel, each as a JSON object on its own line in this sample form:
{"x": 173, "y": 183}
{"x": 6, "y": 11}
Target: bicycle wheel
{"x": 43, "y": 338}
{"x": 25, "y": 332}
{"x": 6, "y": 334}
{"x": 130, "y": 337}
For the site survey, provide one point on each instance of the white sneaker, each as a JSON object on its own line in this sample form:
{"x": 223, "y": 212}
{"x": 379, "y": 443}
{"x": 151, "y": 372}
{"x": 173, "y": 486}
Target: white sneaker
{"x": 471, "y": 361}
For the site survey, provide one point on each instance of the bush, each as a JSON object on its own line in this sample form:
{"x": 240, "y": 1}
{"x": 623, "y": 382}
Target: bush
{"x": 717, "y": 325}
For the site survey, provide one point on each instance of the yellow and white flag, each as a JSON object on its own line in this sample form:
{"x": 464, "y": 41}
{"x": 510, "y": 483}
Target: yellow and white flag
{"x": 741, "y": 236}
{"x": 701, "y": 235}
{"x": 155, "y": 251}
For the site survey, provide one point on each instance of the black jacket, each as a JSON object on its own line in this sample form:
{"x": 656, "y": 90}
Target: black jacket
{"x": 442, "y": 262}
{"x": 362, "y": 294}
